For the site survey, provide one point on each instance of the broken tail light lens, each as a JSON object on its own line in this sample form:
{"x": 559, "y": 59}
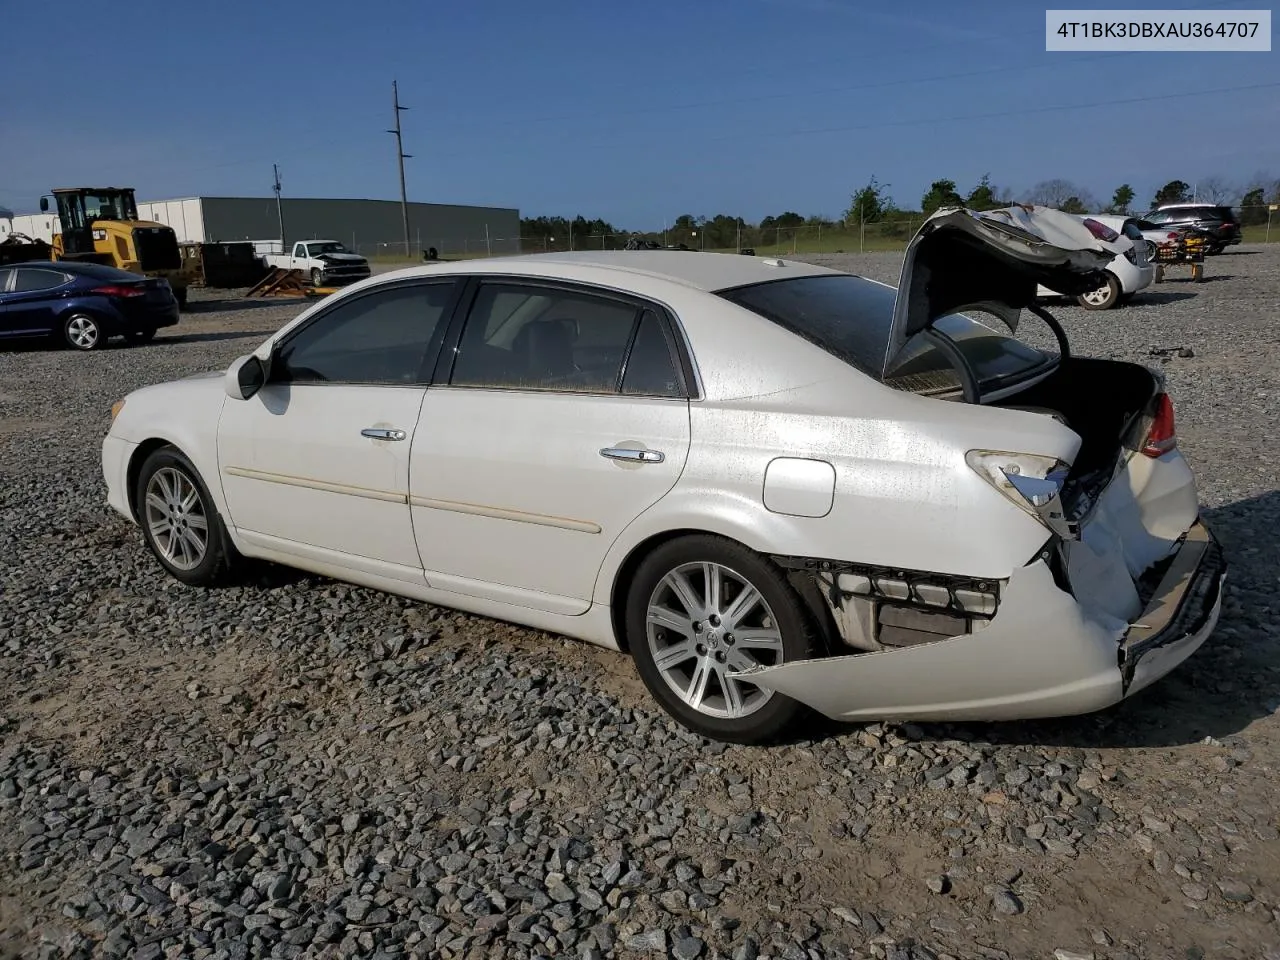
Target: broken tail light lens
{"x": 1163, "y": 433}
{"x": 1033, "y": 483}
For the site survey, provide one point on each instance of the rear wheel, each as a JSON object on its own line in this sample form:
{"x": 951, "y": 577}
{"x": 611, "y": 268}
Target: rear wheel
{"x": 1104, "y": 298}
{"x": 83, "y": 332}
{"x": 700, "y": 610}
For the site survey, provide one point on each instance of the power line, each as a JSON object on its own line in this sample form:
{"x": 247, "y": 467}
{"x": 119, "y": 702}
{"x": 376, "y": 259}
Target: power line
{"x": 401, "y": 156}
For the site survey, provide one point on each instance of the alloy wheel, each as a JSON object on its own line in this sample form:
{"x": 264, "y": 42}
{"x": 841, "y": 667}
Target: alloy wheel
{"x": 176, "y": 518}
{"x": 706, "y": 625}
{"x": 83, "y": 332}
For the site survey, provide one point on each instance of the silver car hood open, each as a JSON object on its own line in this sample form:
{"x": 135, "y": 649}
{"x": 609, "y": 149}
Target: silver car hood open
{"x": 993, "y": 261}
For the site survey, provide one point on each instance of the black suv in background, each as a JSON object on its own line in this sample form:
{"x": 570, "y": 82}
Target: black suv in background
{"x": 1217, "y": 222}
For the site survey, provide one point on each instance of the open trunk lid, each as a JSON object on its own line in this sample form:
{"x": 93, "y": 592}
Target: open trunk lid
{"x": 994, "y": 261}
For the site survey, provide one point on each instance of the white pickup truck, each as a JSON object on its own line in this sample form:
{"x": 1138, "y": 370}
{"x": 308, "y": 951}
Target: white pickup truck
{"x": 325, "y": 262}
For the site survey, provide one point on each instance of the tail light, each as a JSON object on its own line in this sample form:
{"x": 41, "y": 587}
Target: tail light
{"x": 1032, "y": 483}
{"x": 118, "y": 290}
{"x": 1101, "y": 231}
{"x": 1162, "y": 436}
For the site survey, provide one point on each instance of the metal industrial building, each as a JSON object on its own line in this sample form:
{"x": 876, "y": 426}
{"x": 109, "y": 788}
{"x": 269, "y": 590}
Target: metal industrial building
{"x": 369, "y": 227}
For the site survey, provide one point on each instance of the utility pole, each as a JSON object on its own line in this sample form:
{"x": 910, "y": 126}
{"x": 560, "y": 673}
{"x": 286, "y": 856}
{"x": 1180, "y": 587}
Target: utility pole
{"x": 401, "y": 156}
{"x": 275, "y": 169}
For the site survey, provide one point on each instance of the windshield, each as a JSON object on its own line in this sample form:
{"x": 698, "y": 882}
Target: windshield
{"x": 851, "y": 317}
{"x": 330, "y": 246}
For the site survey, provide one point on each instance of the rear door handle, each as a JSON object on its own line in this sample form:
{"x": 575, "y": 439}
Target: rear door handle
{"x": 379, "y": 433}
{"x": 633, "y": 454}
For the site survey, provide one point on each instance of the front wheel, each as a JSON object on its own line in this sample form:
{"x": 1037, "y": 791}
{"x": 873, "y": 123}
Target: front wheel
{"x": 702, "y": 610}
{"x": 317, "y": 278}
{"x": 1104, "y": 298}
{"x": 180, "y": 522}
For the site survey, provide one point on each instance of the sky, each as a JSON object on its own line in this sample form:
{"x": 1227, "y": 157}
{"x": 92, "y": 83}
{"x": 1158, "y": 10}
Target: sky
{"x": 634, "y": 112}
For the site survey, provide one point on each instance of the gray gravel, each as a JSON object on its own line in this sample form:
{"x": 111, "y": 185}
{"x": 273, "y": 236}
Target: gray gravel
{"x": 296, "y": 767}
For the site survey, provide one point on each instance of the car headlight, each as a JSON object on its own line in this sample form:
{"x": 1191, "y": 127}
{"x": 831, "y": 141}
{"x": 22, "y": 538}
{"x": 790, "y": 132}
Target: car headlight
{"x": 115, "y": 409}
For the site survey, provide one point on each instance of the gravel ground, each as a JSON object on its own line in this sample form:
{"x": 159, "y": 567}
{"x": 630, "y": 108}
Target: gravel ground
{"x": 296, "y": 767}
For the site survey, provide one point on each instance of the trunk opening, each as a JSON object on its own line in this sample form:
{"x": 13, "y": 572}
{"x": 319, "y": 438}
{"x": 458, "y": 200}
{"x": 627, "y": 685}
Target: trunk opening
{"x": 1109, "y": 403}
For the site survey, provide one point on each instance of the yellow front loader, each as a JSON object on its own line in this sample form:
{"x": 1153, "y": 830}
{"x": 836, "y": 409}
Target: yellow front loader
{"x": 100, "y": 224}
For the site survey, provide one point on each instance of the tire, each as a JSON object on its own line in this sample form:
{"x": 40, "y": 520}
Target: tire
{"x": 145, "y": 335}
{"x": 166, "y": 481}
{"x": 317, "y": 278}
{"x": 734, "y": 711}
{"x": 83, "y": 332}
{"x": 1104, "y": 298}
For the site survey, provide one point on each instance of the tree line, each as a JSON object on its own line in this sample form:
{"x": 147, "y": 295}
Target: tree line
{"x": 874, "y": 204}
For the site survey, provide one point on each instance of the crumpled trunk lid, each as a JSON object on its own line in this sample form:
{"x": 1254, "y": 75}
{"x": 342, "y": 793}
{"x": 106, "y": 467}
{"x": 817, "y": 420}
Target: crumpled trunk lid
{"x": 992, "y": 261}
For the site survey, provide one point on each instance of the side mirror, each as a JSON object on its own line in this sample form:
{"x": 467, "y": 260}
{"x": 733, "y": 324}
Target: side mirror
{"x": 245, "y": 377}
{"x": 44, "y": 204}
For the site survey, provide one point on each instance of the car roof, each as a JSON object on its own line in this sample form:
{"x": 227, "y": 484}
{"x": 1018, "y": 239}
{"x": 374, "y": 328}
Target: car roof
{"x": 78, "y": 268}
{"x": 709, "y": 272}
{"x": 1193, "y": 203}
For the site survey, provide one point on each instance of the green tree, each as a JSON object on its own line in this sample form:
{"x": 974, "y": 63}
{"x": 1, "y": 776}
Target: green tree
{"x": 1073, "y": 204}
{"x": 1122, "y": 198}
{"x": 983, "y": 196}
{"x": 1056, "y": 193}
{"x": 1253, "y": 207}
{"x": 942, "y": 193}
{"x": 869, "y": 204}
{"x": 1175, "y": 191}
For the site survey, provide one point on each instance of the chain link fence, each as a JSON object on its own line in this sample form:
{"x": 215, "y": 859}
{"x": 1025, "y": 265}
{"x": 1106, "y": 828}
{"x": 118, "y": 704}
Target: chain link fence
{"x": 1261, "y": 224}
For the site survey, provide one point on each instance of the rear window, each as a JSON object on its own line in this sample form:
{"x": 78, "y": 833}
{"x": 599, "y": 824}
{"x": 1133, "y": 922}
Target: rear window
{"x": 850, "y": 317}
{"x": 100, "y": 271}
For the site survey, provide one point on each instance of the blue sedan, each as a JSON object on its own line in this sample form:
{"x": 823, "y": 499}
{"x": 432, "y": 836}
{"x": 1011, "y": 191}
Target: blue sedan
{"x": 82, "y": 304}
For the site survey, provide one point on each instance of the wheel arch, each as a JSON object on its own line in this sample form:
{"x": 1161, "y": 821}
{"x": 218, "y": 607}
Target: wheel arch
{"x": 134, "y": 468}
{"x": 805, "y": 589}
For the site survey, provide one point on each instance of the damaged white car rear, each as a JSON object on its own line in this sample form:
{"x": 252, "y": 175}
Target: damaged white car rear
{"x": 779, "y": 486}
{"x": 1037, "y": 549}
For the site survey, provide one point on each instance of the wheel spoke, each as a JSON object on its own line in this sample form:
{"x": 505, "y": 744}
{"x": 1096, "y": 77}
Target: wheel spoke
{"x": 191, "y": 499}
{"x": 758, "y": 639}
{"x": 670, "y": 620}
{"x": 683, "y": 590}
{"x": 155, "y": 502}
{"x": 711, "y": 584}
{"x": 197, "y": 521}
{"x": 161, "y": 526}
{"x": 197, "y": 545}
{"x": 733, "y": 701}
{"x": 674, "y": 655}
{"x": 170, "y": 546}
{"x": 166, "y": 488}
{"x": 696, "y": 692}
{"x": 742, "y": 604}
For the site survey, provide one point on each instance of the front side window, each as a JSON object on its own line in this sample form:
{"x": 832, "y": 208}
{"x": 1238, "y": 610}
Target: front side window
{"x": 381, "y": 337}
{"x": 31, "y": 280}
{"x": 529, "y": 337}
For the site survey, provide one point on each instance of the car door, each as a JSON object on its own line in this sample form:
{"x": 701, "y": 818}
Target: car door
{"x": 6, "y": 277}
{"x": 561, "y": 415}
{"x": 31, "y": 305}
{"x": 317, "y": 462}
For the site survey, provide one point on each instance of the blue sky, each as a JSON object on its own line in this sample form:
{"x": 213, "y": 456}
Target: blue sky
{"x": 635, "y": 112}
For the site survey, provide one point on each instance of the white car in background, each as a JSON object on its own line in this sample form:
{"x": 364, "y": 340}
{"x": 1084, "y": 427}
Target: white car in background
{"x": 1129, "y": 272}
{"x": 777, "y": 486}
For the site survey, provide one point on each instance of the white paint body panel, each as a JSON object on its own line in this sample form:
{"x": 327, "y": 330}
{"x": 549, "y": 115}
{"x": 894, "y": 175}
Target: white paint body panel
{"x": 493, "y": 501}
{"x": 512, "y": 500}
{"x": 294, "y": 468}
{"x": 799, "y": 487}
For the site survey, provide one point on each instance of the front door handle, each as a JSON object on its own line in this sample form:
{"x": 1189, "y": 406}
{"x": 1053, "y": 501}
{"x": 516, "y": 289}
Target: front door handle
{"x": 633, "y": 454}
{"x": 379, "y": 433}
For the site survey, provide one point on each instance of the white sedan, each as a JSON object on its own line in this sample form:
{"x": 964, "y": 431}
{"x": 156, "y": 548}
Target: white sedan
{"x": 1129, "y": 272}
{"x": 777, "y": 486}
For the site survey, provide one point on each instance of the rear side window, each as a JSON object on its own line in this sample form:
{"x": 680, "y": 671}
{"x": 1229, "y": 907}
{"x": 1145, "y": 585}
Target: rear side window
{"x": 651, "y": 366}
{"x": 32, "y": 280}
{"x": 531, "y": 337}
